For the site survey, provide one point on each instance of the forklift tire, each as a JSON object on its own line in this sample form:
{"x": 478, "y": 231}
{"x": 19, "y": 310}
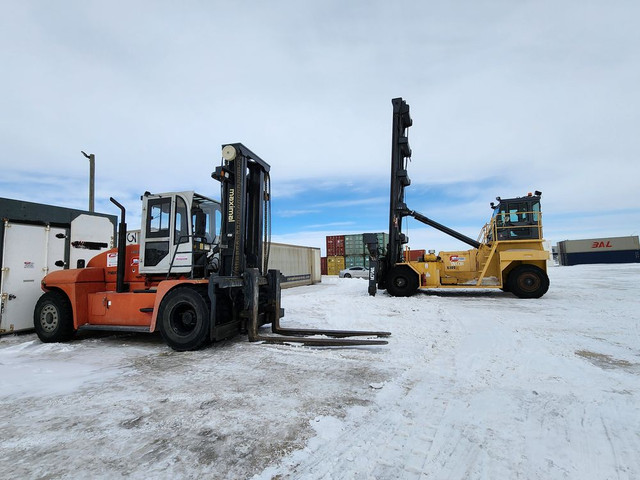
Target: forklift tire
{"x": 528, "y": 281}
{"x": 402, "y": 281}
{"x": 184, "y": 319}
{"x": 53, "y": 317}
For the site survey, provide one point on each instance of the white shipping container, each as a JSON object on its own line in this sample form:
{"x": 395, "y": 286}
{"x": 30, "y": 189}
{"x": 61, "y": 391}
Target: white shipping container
{"x": 610, "y": 244}
{"x": 29, "y": 252}
{"x": 133, "y": 237}
{"x": 299, "y": 265}
{"x": 37, "y": 239}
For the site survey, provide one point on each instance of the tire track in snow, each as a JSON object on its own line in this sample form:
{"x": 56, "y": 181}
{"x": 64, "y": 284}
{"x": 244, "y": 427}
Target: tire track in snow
{"x": 381, "y": 443}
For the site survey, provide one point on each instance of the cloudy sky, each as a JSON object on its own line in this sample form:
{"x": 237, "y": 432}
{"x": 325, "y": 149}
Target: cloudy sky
{"x": 506, "y": 97}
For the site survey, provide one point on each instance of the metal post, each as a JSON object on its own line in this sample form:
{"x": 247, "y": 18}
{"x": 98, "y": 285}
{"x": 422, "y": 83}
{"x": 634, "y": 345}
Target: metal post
{"x": 92, "y": 180}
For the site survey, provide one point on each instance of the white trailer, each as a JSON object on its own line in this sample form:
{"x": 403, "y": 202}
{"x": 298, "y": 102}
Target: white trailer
{"x": 36, "y": 239}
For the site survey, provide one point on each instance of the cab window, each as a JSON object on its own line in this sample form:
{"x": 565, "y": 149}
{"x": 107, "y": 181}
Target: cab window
{"x": 206, "y": 218}
{"x": 182, "y": 228}
{"x": 159, "y": 213}
{"x": 518, "y": 212}
{"x": 536, "y": 211}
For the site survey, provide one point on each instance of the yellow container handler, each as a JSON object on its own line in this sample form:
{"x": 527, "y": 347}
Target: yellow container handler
{"x": 509, "y": 253}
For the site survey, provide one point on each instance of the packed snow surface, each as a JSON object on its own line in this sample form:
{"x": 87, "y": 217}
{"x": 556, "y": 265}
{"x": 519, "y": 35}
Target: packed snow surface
{"x": 473, "y": 384}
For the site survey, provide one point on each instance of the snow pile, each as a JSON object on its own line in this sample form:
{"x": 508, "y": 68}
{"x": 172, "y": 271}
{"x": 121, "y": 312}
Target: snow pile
{"x": 472, "y": 385}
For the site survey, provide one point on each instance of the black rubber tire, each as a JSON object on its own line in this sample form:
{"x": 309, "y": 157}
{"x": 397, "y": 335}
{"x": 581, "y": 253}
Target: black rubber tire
{"x": 183, "y": 319}
{"x": 53, "y": 318}
{"x": 528, "y": 281}
{"x": 402, "y": 281}
{"x": 347, "y": 275}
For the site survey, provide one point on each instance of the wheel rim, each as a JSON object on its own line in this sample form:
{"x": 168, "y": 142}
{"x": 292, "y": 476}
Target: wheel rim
{"x": 49, "y": 318}
{"x": 183, "y": 319}
{"x": 400, "y": 282}
{"x": 529, "y": 282}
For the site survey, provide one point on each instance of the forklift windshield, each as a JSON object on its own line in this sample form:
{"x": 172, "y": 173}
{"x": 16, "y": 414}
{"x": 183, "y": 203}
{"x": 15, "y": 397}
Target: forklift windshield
{"x": 205, "y": 218}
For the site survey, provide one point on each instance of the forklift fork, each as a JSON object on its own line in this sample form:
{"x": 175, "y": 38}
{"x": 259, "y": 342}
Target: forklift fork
{"x": 292, "y": 335}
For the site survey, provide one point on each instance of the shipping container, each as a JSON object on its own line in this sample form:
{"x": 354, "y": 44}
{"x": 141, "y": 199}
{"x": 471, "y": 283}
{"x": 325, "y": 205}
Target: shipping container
{"x": 354, "y": 261}
{"x": 354, "y": 245}
{"x": 335, "y": 246}
{"x": 299, "y": 265}
{"x": 599, "y": 250}
{"x": 383, "y": 242}
{"x": 323, "y": 265}
{"x": 334, "y": 265}
{"x": 133, "y": 237}
{"x": 36, "y": 239}
{"x": 416, "y": 255}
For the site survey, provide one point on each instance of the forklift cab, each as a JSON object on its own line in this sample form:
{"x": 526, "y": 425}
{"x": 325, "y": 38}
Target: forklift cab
{"x": 518, "y": 218}
{"x": 178, "y": 232}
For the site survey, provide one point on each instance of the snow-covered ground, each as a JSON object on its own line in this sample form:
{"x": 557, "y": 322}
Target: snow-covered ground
{"x": 471, "y": 385}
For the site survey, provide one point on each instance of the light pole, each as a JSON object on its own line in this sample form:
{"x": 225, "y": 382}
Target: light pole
{"x": 92, "y": 179}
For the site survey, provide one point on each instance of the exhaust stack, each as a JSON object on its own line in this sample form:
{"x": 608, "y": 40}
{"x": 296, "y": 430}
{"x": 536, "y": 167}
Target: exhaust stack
{"x": 122, "y": 248}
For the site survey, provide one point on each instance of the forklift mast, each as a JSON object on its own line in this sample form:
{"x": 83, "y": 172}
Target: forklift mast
{"x": 400, "y": 156}
{"x": 245, "y": 193}
{"x": 381, "y": 266}
{"x": 243, "y": 283}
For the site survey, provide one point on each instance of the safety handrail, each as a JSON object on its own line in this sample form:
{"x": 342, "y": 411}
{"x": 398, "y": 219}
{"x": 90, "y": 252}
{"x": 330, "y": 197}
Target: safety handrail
{"x": 176, "y": 251}
{"x": 490, "y": 230}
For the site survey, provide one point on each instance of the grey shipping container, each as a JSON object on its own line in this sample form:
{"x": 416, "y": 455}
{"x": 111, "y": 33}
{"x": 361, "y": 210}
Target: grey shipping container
{"x": 599, "y": 250}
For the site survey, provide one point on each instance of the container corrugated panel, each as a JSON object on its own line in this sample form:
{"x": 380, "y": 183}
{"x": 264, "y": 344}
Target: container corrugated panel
{"x": 323, "y": 265}
{"x": 335, "y": 245}
{"x": 609, "y": 244}
{"x": 334, "y": 265}
{"x": 354, "y": 261}
{"x": 299, "y": 265}
{"x": 618, "y": 256}
{"x": 354, "y": 245}
{"x": 416, "y": 255}
{"x": 383, "y": 242}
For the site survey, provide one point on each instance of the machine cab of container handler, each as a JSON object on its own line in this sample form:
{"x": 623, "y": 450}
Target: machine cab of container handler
{"x": 179, "y": 232}
{"x": 516, "y": 218}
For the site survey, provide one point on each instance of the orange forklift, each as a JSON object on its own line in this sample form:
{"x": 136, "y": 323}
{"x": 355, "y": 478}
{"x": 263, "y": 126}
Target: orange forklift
{"x": 200, "y": 273}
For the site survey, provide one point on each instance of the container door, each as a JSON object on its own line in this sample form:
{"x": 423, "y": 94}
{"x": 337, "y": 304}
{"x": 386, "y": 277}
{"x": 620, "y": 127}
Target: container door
{"x": 90, "y": 235}
{"x": 30, "y": 252}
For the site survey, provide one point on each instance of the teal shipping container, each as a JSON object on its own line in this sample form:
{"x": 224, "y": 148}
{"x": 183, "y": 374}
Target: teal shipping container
{"x": 354, "y": 245}
{"x": 354, "y": 261}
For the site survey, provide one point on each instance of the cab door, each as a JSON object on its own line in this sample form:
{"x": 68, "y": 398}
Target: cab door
{"x": 165, "y": 236}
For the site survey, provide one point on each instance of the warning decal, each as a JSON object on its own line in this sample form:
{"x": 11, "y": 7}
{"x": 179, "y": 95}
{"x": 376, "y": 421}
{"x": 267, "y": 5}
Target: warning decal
{"x": 112, "y": 260}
